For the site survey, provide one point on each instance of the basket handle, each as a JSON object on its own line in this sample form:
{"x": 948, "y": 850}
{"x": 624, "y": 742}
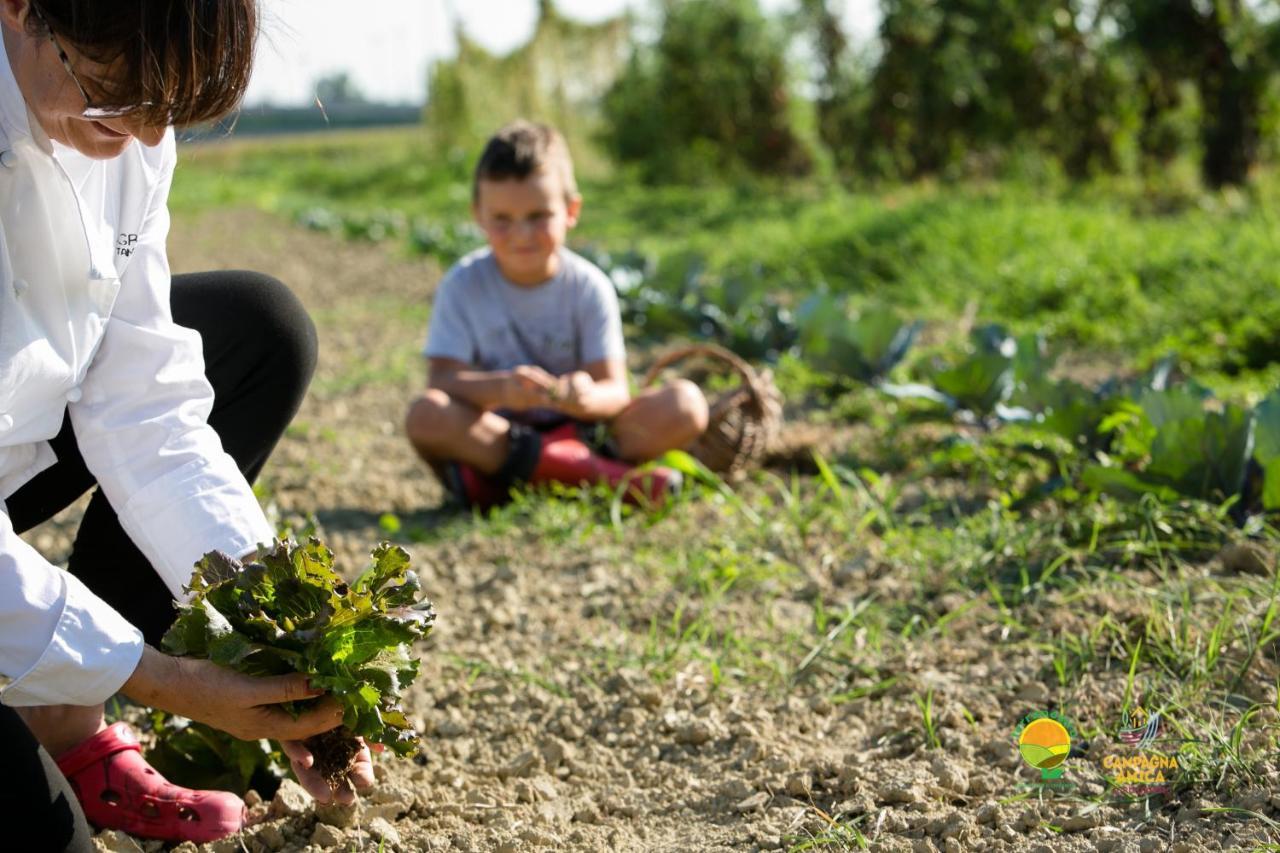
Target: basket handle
{"x": 746, "y": 371}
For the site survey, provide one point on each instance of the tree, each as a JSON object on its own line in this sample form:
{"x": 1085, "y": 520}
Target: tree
{"x": 559, "y": 76}
{"x": 336, "y": 90}
{"x": 960, "y": 80}
{"x": 711, "y": 96}
{"x": 840, "y": 85}
{"x": 1229, "y": 50}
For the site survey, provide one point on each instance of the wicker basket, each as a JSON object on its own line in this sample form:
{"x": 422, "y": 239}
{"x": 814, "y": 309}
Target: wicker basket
{"x": 744, "y": 420}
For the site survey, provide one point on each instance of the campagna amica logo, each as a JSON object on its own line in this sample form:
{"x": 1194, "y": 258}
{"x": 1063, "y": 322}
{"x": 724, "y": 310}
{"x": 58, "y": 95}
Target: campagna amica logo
{"x": 1044, "y": 741}
{"x": 1140, "y": 775}
{"x": 1147, "y": 772}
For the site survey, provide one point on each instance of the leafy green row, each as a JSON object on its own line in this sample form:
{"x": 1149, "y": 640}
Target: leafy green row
{"x": 446, "y": 242}
{"x": 1138, "y": 436}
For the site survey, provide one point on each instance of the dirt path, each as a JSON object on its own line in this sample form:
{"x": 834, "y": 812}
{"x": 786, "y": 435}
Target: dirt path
{"x": 560, "y": 704}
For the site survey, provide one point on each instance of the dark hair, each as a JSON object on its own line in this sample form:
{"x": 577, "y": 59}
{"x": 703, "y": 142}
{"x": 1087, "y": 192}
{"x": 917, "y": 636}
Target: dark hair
{"x": 522, "y": 149}
{"x": 189, "y": 61}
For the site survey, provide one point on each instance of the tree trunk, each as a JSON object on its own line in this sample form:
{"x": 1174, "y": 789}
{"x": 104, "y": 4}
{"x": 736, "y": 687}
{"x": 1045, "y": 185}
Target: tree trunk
{"x": 1231, "y": 92}
{"x": 1232, "y": 102}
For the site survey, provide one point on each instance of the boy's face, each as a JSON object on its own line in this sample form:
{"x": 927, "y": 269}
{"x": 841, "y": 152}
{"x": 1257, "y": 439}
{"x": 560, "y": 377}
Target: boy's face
{"x": 526, "y": 222}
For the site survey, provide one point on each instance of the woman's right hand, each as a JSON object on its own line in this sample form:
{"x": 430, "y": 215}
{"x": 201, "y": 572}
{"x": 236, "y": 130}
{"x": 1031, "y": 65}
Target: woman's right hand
{"x": 529, "y": 387}
{"x": 240, "y": 705}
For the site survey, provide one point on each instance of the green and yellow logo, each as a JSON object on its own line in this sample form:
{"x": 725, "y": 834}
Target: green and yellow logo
{"x": 1044, "y": 740}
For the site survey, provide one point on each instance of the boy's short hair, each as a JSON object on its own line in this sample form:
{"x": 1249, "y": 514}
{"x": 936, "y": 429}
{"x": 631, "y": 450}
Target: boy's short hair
{"x": 521, "y": 149}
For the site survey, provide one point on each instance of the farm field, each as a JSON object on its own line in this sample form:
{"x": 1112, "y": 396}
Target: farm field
{"x": 838, "y": 653}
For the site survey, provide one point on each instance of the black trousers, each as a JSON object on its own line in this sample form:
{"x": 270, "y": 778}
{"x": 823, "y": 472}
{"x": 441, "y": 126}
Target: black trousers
{"x": 260, "y": 353}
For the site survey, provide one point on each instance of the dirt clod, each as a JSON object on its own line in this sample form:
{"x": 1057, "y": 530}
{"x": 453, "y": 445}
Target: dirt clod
{"x": 112, "y": 841}
{"x": 898, "y": 794}
{"x": 1081, "y": 822}
{"x": 382, "y": 829}
{"x": 327, "y": 836}
{"x": 291, "y": 800}
{"x": 950, "y": 775}
{"x": 338, "y": 815}
{"x": 269, "y": 835}
{"x": 523, "y": 765}
{"x": 335, "y": 754}
{"x": 1246, "y": 558}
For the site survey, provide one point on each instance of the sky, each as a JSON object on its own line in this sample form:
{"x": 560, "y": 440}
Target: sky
{"x": 387, "y": 45}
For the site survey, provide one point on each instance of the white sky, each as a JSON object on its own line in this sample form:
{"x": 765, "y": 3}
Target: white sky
{"x": 386, "y": 45}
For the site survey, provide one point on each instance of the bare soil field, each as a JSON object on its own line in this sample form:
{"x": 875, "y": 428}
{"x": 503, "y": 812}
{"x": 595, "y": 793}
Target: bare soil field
{"x": 713, "y": 679}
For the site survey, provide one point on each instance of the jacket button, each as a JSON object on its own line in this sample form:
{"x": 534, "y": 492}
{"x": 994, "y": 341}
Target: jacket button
{"x": 6, "y": 423}
{"x": 20, "y": 286}
{"x": 74, "y": 395}
{"x": 8, "y": 159}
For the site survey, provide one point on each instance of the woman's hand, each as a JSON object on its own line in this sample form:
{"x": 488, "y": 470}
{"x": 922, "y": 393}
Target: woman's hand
{"x": 240, "y": 705}
{"x": 528, "y": 387}
{"x": 359, "y": 779}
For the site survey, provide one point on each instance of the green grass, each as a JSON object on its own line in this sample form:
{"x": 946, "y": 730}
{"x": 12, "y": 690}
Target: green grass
{"x": 1093, "y": 266}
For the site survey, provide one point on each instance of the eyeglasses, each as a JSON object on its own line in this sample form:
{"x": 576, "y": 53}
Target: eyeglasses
{"x": 89, "y": 111}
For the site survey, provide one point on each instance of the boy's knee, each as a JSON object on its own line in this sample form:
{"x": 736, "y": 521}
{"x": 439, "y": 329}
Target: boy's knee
{"x": 691, "y": 404}
{"x": 428, "y": 417}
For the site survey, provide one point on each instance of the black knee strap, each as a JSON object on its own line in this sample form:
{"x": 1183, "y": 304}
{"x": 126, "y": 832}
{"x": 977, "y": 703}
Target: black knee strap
{"x": 522, "y": 456}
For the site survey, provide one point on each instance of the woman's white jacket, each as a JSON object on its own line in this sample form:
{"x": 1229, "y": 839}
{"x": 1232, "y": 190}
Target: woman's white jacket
{"x": 85, "y": 328}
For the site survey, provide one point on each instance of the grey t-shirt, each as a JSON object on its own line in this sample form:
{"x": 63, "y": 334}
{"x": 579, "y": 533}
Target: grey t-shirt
{"x": 482, "y": 319}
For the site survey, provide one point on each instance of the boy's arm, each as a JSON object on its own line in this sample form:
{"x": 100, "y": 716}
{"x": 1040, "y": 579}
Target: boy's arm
{"x": 525, "y": 387}
{"x": 598, "y": 392}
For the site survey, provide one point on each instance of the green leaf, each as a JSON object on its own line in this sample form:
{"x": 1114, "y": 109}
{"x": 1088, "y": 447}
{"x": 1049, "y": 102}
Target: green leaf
{"x": 1174, "y": 404}
{"x": 1271, "y": 485}
{"x": 863, "y": 345}
{"x": 1067, "y": 409}
{"x": 1204, "y": 456}
{"x": 1123, "y": 484}
{"x": 979, "y": 383}
{"x": 1193, "y": 453}
{"x": 1267, "y": 414}
{"x": 390, "y": 565}
{"x": 214, "y": 568}
{"x": 230, "y": 649}
{"x": 195, "y": 755}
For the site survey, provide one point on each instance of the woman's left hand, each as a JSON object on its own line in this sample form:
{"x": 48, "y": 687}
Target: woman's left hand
{"x": 359, "y": 779}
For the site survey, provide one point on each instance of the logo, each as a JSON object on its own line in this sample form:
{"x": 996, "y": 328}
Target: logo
{"x": 125, "y": 244}
{"x": 1140, "y": 775}
{"x": 1139, "y": 728}
{"x": 1148, "y": 772}
{"x": 1044, "y": 740}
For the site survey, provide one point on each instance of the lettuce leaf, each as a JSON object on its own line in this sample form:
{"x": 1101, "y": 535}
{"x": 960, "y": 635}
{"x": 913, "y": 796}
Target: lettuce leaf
{"x": 292, "y": 612}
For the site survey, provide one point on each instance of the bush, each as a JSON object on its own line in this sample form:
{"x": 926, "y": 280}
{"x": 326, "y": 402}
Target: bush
{"x": 710, "y": 98}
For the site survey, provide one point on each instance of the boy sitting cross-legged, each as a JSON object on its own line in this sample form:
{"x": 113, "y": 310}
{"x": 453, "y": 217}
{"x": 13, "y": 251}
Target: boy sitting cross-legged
{"x": 528, "y": 379}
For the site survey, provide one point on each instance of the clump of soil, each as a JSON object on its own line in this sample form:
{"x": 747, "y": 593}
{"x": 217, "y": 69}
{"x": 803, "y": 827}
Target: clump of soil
{"x": 335, "y": 753}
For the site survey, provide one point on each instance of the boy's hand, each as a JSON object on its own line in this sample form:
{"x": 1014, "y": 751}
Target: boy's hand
{"x": 529, "y": 387}
{"x": 572, "y": 391}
